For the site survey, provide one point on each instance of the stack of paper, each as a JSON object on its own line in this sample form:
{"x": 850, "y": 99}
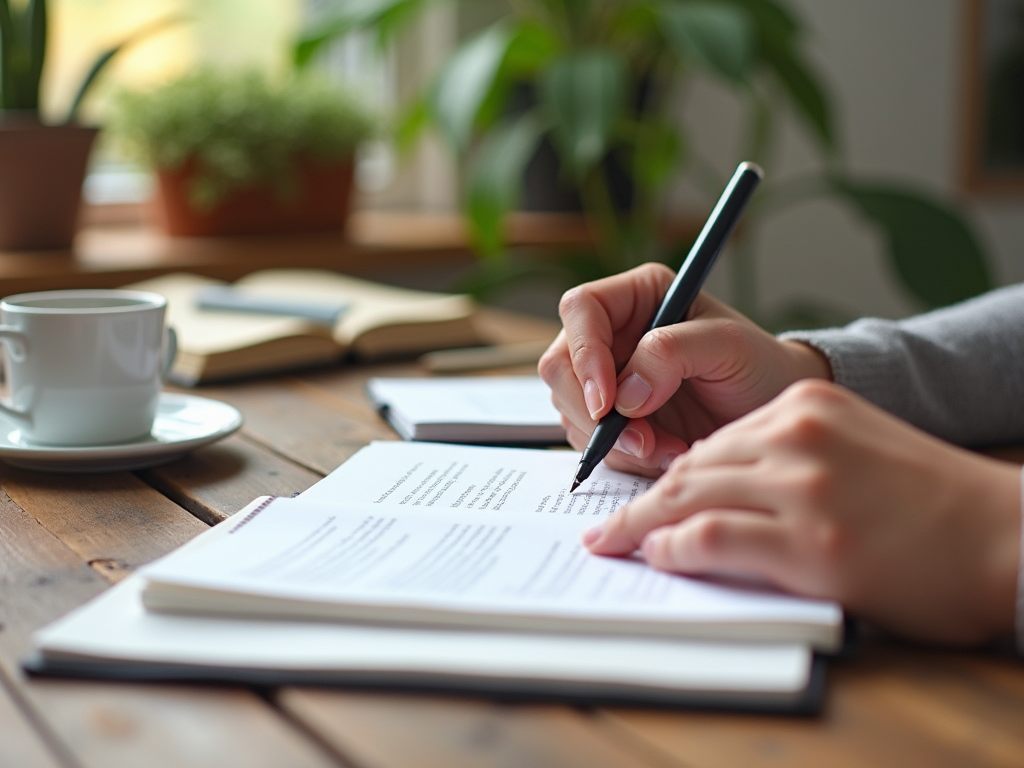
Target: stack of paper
{"x": 432, "y": 566}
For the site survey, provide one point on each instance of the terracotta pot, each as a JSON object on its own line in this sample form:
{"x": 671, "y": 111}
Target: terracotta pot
{"x": 320, "y": 202}
{"x": 42, "y": 168}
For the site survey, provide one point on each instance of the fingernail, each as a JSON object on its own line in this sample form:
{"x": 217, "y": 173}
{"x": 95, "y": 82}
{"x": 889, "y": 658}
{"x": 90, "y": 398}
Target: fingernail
{"x": 592, "y": 534}
{"x": 667, "y": 461}
{"x": 631, "y": 441}
{"x": 633, "y": 393}
{"x": 593, "y": 398}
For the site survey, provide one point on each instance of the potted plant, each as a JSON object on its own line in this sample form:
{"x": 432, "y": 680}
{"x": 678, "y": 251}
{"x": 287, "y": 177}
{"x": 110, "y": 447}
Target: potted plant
{"x": 241, "y": 153}
{"x": 43, "y": 163}
{"x": 605, "y": 79}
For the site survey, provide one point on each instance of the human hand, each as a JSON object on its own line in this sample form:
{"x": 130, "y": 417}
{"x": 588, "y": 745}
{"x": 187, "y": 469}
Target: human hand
{"x": 678, "y": 383}
{"x": 825, "y": 495}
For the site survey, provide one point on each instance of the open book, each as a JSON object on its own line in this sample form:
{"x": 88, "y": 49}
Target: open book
{"x": 428, "y": 565}
{"x": 356, "y": 317}
{"x": 501, "y": 410}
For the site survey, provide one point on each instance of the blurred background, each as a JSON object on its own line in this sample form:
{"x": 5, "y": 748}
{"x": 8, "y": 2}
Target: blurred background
{"x": 910, "y": 87}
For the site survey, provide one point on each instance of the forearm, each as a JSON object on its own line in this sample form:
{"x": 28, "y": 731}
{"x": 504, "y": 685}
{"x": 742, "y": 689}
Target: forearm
{"x": 957, "y": 373}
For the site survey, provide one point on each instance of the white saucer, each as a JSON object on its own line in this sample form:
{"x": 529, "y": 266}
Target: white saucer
{"x": 183, "y": 423}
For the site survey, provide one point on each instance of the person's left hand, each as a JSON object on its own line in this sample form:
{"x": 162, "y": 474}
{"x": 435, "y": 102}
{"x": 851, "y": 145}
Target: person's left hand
{"x": 825, "y": 495}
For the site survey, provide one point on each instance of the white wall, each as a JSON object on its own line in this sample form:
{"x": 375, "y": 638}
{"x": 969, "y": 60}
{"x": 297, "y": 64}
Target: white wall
{"x": 894, "y": 69}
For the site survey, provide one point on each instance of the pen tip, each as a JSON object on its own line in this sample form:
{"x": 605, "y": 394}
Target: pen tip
{"x": 575, "y": 485}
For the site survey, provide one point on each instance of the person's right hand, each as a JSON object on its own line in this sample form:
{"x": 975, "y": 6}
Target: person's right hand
{"x": 678, "y": 384}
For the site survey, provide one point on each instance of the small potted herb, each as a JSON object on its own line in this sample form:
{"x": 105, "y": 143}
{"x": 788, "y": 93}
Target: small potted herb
{"x": 43, "y": 162}
{"x": 240, "y": 153}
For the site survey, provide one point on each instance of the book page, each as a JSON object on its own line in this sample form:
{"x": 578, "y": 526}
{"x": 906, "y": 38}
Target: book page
{"x": 373, "y": 306}
{"x": 520, "y": 481}
{"x": 365, "y": 562}
{"x": 205, "y": 332}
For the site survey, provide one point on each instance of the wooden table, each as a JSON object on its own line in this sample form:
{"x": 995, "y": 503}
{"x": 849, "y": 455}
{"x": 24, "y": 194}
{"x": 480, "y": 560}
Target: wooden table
{"x": 65, "y": 538}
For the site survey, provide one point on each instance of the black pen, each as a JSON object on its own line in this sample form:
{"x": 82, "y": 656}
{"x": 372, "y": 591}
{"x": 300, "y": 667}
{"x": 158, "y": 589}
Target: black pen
{"x": 680, "y": 296}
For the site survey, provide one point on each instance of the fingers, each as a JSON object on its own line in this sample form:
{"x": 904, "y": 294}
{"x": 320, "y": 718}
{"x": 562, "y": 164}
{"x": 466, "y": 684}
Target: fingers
{"x": 739, "y": 364}
{"x": 641, "y": 449}
{"x": 603, "y": 321}
{"x": 723, "y": 543}
{"x": 567, "y": 393}
{"x": 674, "y": 498}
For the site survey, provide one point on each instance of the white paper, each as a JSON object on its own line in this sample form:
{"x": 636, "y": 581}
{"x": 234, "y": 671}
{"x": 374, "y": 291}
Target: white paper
{"x": 468, "y": 535}
{"x": 482, "y": 409}
{"x": 115, "y": 626}
{"x": 520, "y": 481}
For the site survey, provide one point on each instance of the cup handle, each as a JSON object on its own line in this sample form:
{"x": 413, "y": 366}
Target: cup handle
{"x": 17, "y": 341}
{"x": 17, "y": 344}
{"x": 170, "y": 351}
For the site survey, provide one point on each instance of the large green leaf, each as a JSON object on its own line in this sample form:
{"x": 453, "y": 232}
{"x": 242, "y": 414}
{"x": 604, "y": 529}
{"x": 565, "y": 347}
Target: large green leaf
{"x": 804, "y": 88}
{"x": 717, "y": 36}
{"x": 342, "y": 17}
{"x": 23, "y": 29}
{"x": 772, "y": 20}
{"x": 496, "y": 178}
{"x": 466, "y": 80}
{"x": 6, "y": 49}
{"x": 931, "y": 246}
{"x": 584, "y": 94}
{"x": 779, "y": 34}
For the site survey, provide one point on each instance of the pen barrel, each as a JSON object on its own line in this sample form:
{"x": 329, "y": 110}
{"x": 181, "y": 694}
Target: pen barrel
{"x": 707, "y": 246}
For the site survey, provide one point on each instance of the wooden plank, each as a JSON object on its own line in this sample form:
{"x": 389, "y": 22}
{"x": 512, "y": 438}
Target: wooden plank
{"x": 22, "y": 744}
{"x": 385, "y": 731}
{"x": 891, "y": 706}
{"x": 215, "y": 482}
{"x": 304, "y": 422}
{"x": 114, "y": 522}
{"x": 115, "y": 518}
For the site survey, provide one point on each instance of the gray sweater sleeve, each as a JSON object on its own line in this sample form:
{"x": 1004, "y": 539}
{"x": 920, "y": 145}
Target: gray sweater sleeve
{"x": 957, "y": 372}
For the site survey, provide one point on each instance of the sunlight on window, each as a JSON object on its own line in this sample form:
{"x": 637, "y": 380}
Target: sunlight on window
{"x": 221, "y": 32}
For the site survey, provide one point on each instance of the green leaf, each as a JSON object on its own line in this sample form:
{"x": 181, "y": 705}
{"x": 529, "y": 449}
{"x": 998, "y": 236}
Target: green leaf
{"x": 806, "y": 91}
{"x": 343, "y": 17}
{"x": 466, "y": 80}
{"x": 772, "y": 20}
{"x": 6, "y": 51}
{"x": 778, "y": 37}
{"x": 584, "y": 94}
{"x": 101, "y": 61}
{"x": 496, "y": 178}
{"x": 718, "y": 37}
{"x": 36, "y": 21}
{"x": 531, "y": 49}
{"x": 411, "y": 123}
{"x": 659, "y": 151}
{"x": 931, "y": 246}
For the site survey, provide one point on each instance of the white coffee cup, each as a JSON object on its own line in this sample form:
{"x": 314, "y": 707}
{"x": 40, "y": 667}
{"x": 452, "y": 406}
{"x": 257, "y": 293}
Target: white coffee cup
{"x": 84, "y": 367}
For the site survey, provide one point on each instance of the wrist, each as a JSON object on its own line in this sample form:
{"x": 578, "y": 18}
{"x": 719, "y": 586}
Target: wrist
{"x": 998, "y": 503}
{"x": 806, "y": 361}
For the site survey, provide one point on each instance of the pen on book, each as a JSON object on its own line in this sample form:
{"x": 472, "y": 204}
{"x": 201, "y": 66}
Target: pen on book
{"x": 231, "y": 299}
{"x": 679, "y": 297}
